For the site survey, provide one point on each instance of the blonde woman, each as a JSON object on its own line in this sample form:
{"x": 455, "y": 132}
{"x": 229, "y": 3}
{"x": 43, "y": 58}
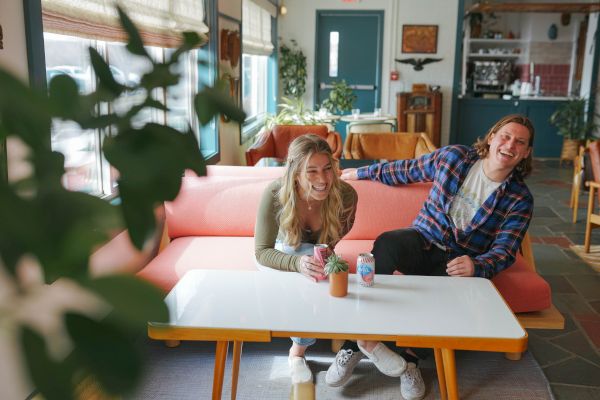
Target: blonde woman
{"x": 310, "y": 205}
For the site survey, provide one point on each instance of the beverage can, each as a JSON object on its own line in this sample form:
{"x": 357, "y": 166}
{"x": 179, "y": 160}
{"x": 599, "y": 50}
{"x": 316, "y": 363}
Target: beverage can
{"x": 320, "y": 253}
{"x": 365, "y": 269}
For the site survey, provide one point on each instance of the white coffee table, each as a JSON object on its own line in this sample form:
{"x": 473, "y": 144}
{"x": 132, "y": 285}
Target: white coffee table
{"x": 442, "y": 313}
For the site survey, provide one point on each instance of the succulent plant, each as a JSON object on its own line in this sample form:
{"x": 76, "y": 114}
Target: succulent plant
{"x": 335, "y": 264}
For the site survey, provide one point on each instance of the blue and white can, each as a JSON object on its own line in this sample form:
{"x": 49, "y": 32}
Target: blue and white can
{"x": 365, "y": 269}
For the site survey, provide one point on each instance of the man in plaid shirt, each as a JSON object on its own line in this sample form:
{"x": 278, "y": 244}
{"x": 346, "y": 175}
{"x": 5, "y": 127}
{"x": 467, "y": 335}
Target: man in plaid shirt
{"x": 472, "y": 223}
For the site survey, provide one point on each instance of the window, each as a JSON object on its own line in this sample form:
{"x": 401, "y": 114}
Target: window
{"x": 66, "y": 24}
{"x": 257, "y": 48}
{"x": 85, "y": 167}
{"x": 254, "y": 92}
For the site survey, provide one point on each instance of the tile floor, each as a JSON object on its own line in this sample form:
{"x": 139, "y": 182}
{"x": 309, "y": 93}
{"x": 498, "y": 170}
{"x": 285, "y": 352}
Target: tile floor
{"x": 570, "y": 358}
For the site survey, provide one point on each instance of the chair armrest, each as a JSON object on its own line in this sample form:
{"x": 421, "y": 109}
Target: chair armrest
{"x": 260, "y": 149}
{"x": 592, "y": 184}
{"x": 335, "y": 142}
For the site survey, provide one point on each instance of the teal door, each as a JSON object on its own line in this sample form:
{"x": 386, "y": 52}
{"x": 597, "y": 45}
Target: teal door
{"x": 349, "y": 47}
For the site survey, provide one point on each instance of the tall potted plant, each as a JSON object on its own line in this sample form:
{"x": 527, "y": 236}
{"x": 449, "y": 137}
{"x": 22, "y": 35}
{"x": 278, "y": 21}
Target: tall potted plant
{"x": 292, "y": 70}
{"x": 571, "y": 121}
{"x": 68, "y": 325}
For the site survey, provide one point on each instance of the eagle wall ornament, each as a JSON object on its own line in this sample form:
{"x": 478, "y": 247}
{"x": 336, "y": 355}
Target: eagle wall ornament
{"x": 418, "y": 63}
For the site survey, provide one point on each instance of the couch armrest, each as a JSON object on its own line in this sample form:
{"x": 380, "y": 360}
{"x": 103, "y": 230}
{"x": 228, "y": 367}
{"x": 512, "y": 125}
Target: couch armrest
{"x": 424, "y": 145}
{"x": 335, "y": 142}
{"x": 262, "y": 148}
{"x": 527, "y": 251}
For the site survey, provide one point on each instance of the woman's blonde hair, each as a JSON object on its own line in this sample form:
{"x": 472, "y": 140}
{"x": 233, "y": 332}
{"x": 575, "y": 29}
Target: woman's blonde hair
{"x": 483, "y": 148}
{"x": 332, "y": 208}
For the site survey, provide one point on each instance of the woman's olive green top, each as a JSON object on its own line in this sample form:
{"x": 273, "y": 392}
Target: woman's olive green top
{"x": 266, "y": 232}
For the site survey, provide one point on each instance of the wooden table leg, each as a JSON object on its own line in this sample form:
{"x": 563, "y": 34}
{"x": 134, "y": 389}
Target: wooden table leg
{"x": 235, "y": 367}
{"x": 439, "y": 365}
{"x": 219, "y": 373}
{"x": 450, "y": 373}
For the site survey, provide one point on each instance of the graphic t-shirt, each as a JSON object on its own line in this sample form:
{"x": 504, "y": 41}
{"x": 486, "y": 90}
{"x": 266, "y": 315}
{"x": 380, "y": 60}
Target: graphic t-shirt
{"x": 473, "y": 192}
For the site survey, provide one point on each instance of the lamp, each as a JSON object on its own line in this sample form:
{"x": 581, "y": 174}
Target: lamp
{"x": 282, "y": 8}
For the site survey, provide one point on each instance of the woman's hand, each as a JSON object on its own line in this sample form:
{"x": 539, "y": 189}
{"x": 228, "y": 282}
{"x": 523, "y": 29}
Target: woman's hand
{"x": 461, "y": 266}
{"x": 349, "y": 174}
{"x": 310, "y": 268}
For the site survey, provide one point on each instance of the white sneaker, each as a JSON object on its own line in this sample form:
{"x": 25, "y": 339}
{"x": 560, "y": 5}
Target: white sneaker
{"x": 299, "y": 369}
{"x": 387, "y": 361}
{"x": 341, "y": 368}
{"x": 412, "y": 386}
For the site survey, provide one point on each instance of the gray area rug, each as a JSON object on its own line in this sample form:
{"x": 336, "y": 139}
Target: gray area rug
{"x": 186, "y": 373}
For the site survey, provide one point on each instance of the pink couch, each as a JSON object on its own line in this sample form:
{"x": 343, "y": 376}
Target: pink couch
{"x": 211, "y": 225}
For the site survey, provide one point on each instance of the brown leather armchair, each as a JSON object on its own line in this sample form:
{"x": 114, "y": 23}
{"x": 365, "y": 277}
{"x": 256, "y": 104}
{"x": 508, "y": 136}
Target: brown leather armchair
{"x": 389, "y": 146}
{"x": 275, "y": 142}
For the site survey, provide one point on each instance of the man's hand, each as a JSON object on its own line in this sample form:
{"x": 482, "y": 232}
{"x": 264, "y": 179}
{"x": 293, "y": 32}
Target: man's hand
{"x": 349, "y": 174}
{"x": 311, "y": 268}
{"x": 461, "y": 266}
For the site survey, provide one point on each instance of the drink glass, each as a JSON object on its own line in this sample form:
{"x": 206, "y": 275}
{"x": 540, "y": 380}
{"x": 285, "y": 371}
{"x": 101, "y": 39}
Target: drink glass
{"x": 355, "y": 113}
{"x": 377, "y": 112}
{"x": 320, "y": 254}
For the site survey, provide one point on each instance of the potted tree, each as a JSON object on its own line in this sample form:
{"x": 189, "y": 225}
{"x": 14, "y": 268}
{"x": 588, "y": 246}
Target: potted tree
{"x": 292, "y": 70}
{"x": 337, "y": 270}
{"x": 68, "y": 327}
{"x": 570, "y": 120}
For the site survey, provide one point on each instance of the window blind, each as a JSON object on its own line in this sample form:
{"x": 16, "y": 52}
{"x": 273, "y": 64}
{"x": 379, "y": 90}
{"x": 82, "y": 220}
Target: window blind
{"x": 160, "y": 21}
{"x": 256, "y": 28}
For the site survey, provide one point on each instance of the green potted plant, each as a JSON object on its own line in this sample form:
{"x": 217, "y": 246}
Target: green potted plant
{"x": 341, "y": 98}
{"x": 337, "y": 270}
{"x": 293, "y": 112}
{"x": 72, "y": 327}
{"x": 292, "y": 70}
{"x": 570, "y": 120}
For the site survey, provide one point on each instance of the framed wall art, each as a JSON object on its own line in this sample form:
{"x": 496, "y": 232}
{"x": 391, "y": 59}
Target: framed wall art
{"x": 419, "y": 39}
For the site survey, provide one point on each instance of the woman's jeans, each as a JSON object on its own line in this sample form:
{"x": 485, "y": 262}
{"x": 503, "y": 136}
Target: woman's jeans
{"x": 303, "y": 249}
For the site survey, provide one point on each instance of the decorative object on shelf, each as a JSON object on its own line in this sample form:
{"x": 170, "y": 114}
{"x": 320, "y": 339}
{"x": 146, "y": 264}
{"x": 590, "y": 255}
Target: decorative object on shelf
{"x": 1, "y": 38}
{"x": 341, "y": 98}
{"x": 475, "y": 20}
{"x": 292, "y": 69}
{"x": 419, "y": 39}
{"x": 571, "y": 121}
{"x": 420, "y": 111}
{"x": 565, "y": 19}
{"x": 337, "y": 270}
{"x": 65, "y": 326}
{"x": 553, "y": 32}
{"x": 418, "y": 63}
{"x": 229, "y": 55}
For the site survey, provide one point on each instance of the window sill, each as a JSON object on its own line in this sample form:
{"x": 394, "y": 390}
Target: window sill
{"x": 251, "y": 127}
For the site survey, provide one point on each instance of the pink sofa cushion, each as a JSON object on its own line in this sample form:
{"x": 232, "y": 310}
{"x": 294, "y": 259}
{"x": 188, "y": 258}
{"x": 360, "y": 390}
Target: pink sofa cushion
{"x": 384, "y": 208}
{"x": 215, "y": 206}
{"x": 522, "y": 288}
{"x": 206, "y": 252}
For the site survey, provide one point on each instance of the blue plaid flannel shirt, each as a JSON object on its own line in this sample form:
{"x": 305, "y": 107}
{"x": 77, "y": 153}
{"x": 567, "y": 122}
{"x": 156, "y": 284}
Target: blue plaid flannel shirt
{"x": 493, "y": 237}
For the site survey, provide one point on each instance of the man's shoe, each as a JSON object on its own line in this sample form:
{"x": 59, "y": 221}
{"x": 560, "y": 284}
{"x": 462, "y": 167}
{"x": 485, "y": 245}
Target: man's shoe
{"x": 299, "y": 369}
{"x": 341, "y": 369}
{"x": 387, "y": 361}
{"x": 412, "y": 386}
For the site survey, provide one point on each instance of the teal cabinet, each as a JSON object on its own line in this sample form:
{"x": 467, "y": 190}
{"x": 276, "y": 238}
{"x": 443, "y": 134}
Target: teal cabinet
{"x": 476, "y": 117}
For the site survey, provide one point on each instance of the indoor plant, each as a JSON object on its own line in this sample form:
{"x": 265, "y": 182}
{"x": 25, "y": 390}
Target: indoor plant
{"x": 292, "y": 112}
{"x": 292, "y": 70}
{"x": 341, "y": 97}
{"x": 337, "y": 270}
{"x": 572, "y": 123}
{"x": 71, "y": 326}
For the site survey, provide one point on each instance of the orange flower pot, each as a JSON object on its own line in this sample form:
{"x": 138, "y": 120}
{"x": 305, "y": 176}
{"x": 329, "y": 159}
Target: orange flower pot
{"x": 338, "y": 284}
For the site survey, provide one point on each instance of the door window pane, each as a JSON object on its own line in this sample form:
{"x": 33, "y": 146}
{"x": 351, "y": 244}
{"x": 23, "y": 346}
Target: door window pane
{"x": 334, "y": 41}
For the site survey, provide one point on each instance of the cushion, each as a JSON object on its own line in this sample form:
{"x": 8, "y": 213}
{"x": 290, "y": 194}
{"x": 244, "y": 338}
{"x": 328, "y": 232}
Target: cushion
{"x": 207, "y": 252}
{"x": 378, "y": 207}
{"x": 215, "y": 206}
{"x": 522, "y": 288}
